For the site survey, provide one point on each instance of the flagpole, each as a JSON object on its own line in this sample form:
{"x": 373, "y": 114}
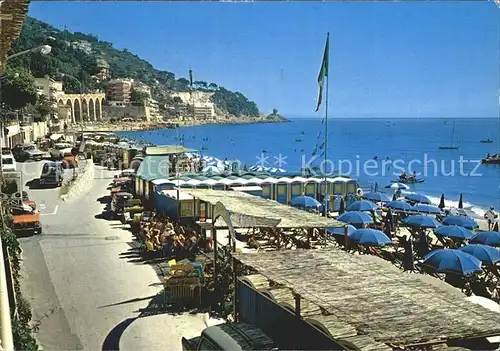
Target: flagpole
{"x": 326, "y": 126}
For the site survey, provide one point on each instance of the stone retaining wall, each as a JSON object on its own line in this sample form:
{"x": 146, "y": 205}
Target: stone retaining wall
{"x": 82, "y": 183}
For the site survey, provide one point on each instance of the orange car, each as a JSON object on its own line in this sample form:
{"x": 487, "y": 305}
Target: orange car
{"x": 26, "y": 218}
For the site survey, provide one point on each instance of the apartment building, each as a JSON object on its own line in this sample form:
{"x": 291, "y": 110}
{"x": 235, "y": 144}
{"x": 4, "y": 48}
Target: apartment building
{"x": 119, "y": 91}
{"x": 103, "y": 68}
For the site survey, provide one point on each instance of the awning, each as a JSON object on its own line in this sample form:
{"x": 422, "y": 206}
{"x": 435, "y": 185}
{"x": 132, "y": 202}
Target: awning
{"x": 154, "y": 167}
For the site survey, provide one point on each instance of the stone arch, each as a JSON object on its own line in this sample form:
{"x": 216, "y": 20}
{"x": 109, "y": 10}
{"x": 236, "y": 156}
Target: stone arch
{"x": 91, "y": 110}
{"x": 77, "y": 111}
{"x": 85, "y": 110}
{"x": 72, "y": 110}
{"x": 60, "y": 102}
{"x": 98, "y": 112}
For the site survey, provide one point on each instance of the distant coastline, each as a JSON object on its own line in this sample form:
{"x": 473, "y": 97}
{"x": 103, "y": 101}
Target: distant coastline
{"x": 144, "y": 126}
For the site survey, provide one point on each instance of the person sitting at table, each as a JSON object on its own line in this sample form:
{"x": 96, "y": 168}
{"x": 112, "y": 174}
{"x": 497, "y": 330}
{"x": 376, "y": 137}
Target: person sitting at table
{"x": 192, "y": 242}
{"x": 168, "y": 246}
{"x": 149, "y": 243}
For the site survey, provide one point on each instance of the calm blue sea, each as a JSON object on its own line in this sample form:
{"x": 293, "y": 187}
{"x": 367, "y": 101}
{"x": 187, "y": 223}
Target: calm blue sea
{"x": 412, "y": 144}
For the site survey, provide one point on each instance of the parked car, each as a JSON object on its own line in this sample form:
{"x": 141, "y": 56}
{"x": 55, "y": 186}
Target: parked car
{"x": 55, "y": 152}
{"x": 52, "y": 174}
{"x": 99, "y": 156}
{"x": 8, "y": 163}
{"x": 237, "y": 336}
{"x": 25, "y": 218}
{"x": 25, "y": 152}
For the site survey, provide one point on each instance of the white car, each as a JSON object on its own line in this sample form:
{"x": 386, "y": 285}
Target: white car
{"x": 56, "y": 151}
{"x": 8, "y": 163}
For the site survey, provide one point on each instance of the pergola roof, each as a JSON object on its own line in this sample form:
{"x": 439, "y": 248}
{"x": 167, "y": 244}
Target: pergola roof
{"x": 252, "y": 211}
{"x": 376, "y": 298}
{"x": 12, "y": 16}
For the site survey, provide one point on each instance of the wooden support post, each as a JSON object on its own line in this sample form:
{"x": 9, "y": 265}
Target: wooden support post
{"x": 235, "y": 296}
{"x": 309, "y": 234}
{"x": 346, "y": 236}
{"x": 297, "y": 304}
{"x": 216, "y": 254}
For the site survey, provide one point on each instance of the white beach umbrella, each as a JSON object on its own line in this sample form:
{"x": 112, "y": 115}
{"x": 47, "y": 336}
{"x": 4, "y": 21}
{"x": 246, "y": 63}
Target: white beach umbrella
{"x": 211, "y": 169}
{"x": 398, "y": 186}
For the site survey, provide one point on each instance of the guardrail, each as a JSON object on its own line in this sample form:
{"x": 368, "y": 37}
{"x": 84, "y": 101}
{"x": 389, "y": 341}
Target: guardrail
{"x": 7, "y": 341}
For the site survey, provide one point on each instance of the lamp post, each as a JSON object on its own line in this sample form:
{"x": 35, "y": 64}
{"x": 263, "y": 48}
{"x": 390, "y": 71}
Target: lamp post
{"x": 6, "y": 323}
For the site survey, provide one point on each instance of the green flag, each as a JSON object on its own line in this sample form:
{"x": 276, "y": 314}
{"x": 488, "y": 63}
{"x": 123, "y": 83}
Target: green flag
{"x": 323, "y": 72}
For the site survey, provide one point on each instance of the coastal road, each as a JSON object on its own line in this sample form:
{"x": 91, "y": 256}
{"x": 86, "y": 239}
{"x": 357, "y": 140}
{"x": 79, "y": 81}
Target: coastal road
{"x": 87, "y": 288}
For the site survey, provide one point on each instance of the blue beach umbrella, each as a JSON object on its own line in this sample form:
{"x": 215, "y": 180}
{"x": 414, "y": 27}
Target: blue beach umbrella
{"x": 305, "y": 202}
{"x": 454, "y": 231}
{"x": 371, "y": 237}
{"x": 463, "y": 221}
{"x": 362, "y": 205}
{"x": 374, "y": 196}
{"x": 452, "y": 261}
{"x": 418, "y": 198}
{"x": 486, "y": 238}
{"x": 341, "y": 231}
{"x": 399, "y": 186}
{"x": 423, "y": 208}
{"x": 421, "y": 221}
{"x": 355, "y": 217}
{"x": 484, "y": 253}
{"x": 399, "y": 205}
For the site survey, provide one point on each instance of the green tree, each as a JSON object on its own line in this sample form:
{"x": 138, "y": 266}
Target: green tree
{"x": 213, "y": 86}
{"x": 18, "y": 88}
{"x": 44, "y": 107}
{"x": 138, "y": 96}
{"x": 71, "y": 85}
{"x": 183, "y": 81}
{"x": 177, "y": 100}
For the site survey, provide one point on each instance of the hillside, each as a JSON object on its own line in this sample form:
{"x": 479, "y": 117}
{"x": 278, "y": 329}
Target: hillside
{"x": 76, "y": 54}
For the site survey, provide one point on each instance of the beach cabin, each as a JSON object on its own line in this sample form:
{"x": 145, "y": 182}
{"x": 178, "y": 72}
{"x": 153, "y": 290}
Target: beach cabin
{"x": 155, "y": 165}
{"x": 175, "y": 204}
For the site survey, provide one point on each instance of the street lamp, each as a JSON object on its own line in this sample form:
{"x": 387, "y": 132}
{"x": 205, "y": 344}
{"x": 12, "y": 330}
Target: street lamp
{"x": 44, "y": 50}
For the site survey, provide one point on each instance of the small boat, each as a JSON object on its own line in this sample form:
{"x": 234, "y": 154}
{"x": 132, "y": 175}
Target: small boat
{"x": 486, "y": 141}
{"x": 452, "y": 146}
{"x": 409, "y": 181}
{"x": 448, "y": 147}
{"x": 298, "y": 140}
{"x": 491, "y": 160}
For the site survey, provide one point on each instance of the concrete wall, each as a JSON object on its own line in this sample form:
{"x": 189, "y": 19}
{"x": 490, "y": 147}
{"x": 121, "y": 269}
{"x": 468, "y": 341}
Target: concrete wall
{"x": 127, "y": 111}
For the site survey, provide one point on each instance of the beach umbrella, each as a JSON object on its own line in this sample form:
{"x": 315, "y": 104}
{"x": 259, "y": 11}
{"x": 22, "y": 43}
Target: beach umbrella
{"x": 452, "y": 261}
{"x": 276, "y": 170}
{"x": 371, "y": 237}
{"x": 362, "y": 205}
{"x": 484, "y": 253}
{"x": 400, "y": 186}
{"x": 461, "y": 201}
{"x": 374, "y": 196}
{"x": 441, "y": 202}
{"x": 462, "y": 221}
{"x": 420, "y": 221}
{"x": 356, "y": 217}
{"x": 423, "y": 208}
{"x": 341, "y": 230}
{"x": 211, "y": 169}
{"x": 454, "y": 231}
{"x": 398, "y": 205}
{"x": 486, "y": 238}
{"x": 418, "y": 198}
{"x": 342, "y": 206}
{"x": 305, "y": 202}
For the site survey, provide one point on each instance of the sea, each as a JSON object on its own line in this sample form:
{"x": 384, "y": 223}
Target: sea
{"x": 373, "y": 151}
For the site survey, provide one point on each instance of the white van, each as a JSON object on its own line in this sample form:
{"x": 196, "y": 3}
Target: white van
{"x": 8, "y": 163}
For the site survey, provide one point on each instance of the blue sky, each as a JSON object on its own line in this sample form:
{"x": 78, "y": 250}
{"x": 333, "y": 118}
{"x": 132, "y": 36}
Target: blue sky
{"x": 394, "y": 59}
